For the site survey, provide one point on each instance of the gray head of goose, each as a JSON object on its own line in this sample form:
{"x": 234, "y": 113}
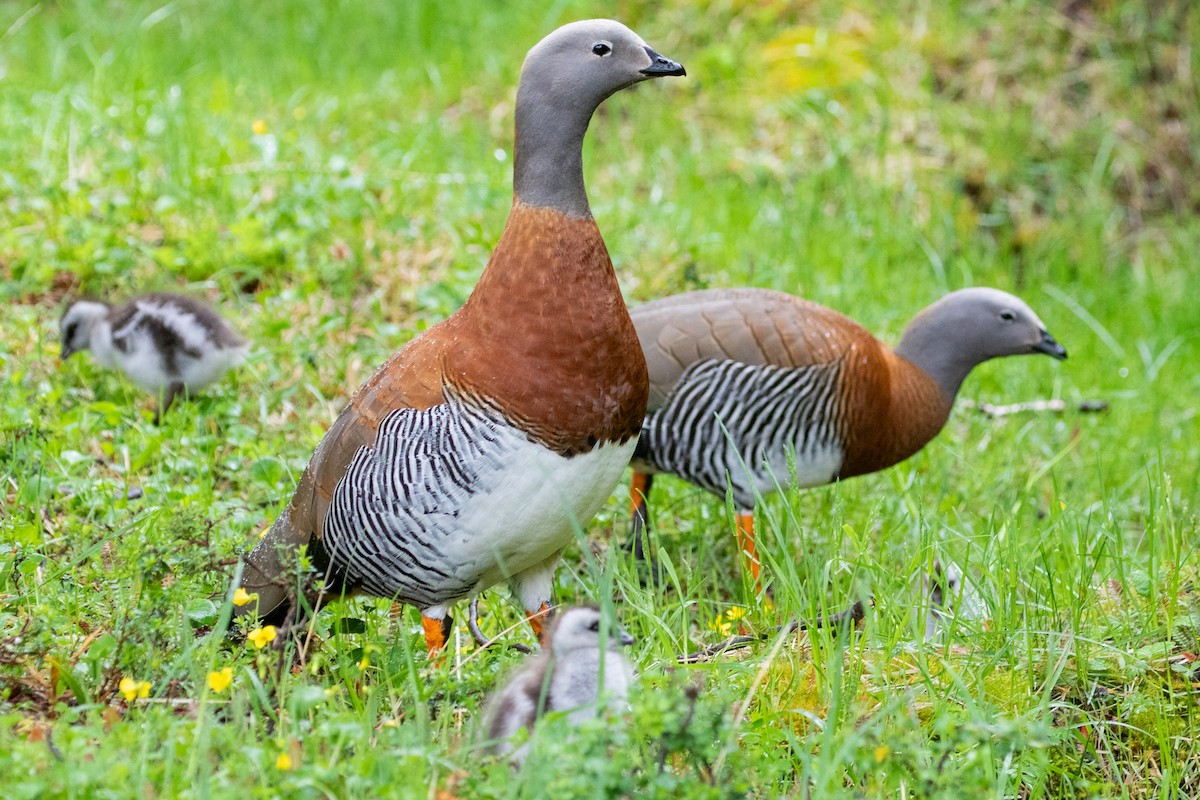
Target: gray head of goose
{"x": 965, "y": 328}
{"x": 566, "y": 76}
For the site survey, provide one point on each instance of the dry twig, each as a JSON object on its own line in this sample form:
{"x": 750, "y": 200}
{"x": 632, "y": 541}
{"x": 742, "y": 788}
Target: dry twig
{"x": 854, "y": 613}
{"x": 1035, "y": 407}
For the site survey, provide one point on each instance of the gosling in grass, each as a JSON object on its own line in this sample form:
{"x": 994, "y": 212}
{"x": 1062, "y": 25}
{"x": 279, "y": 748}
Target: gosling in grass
{"x": 950, "y": 594}
{"x": 581, "y": 671}
{"x": 167, "y": 344}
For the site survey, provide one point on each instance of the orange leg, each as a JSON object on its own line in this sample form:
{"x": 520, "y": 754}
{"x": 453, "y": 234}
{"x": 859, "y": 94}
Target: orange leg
{"x": 746, "y": 545}
{"x": 749, "y": 550}
{"x": 537, "y": 621}
{"x": 639, "y": 492}
{"x": 437, "y": 633}
{"x": 639, "y": 512}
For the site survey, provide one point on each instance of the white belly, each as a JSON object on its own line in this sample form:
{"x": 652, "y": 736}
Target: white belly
{"x": 143, "y": 364}
{"x": 815, "y": 467}
{"x": 199, "y": 373}
{"x": 536, "y": 508}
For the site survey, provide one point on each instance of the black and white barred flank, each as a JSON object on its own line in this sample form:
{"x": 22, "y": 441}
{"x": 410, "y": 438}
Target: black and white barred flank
{"x": 392, "y": 526}
{"x": 731, "y": 424}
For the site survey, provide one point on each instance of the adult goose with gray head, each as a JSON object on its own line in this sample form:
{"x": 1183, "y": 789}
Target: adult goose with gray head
{"x": 473, "y": 453}
{"x": 743, "y": 379}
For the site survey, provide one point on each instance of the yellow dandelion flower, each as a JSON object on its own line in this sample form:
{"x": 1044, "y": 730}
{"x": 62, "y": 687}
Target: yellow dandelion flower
{"x": 881, "y": 753}
{"x": 283, "y": 762}
{"x": 736, "y": 613}
{"x": 259, "y": 127}
{"x": 720, "y": 626}
{"x": 133, "y": 689}
{"x": 261, "y": 637}
{"x": 366, "y": 662}
{"x": 241, "y": 597}
{"x": 220, "y": 680}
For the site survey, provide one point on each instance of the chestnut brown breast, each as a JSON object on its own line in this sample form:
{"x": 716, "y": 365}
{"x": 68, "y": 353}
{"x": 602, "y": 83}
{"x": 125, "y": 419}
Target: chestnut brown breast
{"x": 893, "y": 409}
{"x": 546, "y": 336}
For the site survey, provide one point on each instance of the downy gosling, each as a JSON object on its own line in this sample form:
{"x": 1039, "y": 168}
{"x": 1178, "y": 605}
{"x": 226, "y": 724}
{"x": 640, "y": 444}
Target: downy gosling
{"x": 167, "y": 344}
{"x": 581, "y": 671}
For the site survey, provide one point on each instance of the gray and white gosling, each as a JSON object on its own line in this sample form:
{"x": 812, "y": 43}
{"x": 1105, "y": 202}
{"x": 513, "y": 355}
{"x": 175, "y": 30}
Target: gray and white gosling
{"x": 167, "y": 344}
{"x": 950, "y": 593}
{"x": 581, "y": 671}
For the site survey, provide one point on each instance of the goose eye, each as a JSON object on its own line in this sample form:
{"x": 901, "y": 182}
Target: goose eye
{"x": 594, "y": 627}
{"x": 601, "y": 49}
{"x": 1007, "y": 315}
{"x": 70, "y": 331}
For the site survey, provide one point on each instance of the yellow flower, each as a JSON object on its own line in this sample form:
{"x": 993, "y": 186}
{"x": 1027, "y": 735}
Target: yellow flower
{"x": 366, "y": 662}
{"x": 134, "y": 689}
{"x": 263, "y": 533}
{"x": 881, "y": 753}
{"x": 720, "y": 626}
{"x": 259, "y": 127}
{"x": 220, "y": 680}
{"x": 284, "y": 762}
{"x": 261, "y": 637}
{"x": 736, "y": 613}
{"x": 241, "y": 597}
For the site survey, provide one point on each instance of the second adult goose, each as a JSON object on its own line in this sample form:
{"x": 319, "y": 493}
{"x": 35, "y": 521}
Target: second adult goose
{"x": 741, "y": 379}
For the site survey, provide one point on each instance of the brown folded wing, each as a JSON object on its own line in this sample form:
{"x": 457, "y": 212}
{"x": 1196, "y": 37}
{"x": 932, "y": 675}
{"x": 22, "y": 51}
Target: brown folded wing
{"x": 753, "y": 326}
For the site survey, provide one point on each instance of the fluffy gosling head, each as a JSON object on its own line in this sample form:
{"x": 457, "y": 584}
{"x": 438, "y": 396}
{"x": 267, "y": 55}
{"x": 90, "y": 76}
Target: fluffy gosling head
{"x": 583, "y": 628}
{"x": 77, "y": 324}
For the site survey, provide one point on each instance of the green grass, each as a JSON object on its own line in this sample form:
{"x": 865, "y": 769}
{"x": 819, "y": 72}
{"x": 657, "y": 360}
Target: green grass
{"x": 922, "y": 147}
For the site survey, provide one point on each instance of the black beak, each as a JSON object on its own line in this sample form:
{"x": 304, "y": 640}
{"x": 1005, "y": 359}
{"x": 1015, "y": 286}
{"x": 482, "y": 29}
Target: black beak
{"x": 626, "y": 639}
{"x": 65, "y": 353}
{"x": 661, "y": 65}
{"x": 1050, "y": 346}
